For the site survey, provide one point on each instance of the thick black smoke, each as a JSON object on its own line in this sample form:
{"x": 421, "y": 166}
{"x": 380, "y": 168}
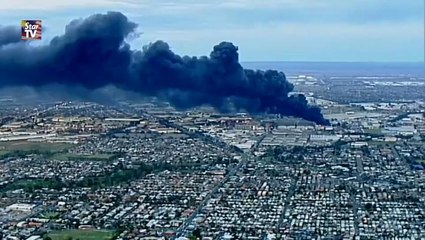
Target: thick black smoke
{"x": 9, "y": 35}
{"x": 93, "y": 53}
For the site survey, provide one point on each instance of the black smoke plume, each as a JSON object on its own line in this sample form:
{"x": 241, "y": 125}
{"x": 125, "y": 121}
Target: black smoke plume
{"x": 93, "y": 54}
{"x": 9, "y": 34}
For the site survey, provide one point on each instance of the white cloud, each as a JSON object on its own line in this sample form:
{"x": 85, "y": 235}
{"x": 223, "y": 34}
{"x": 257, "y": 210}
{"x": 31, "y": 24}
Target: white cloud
{"x": 157, "y": 6}
{"x": 272, "y": 4}
{"x": 295, "y": 41}
{"x": 305, "y": 30}
{"x": 173, "y": 8}
{"x": 16, "y": 5}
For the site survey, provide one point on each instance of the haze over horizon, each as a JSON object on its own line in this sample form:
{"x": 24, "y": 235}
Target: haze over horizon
{"x": 278, "y": 30}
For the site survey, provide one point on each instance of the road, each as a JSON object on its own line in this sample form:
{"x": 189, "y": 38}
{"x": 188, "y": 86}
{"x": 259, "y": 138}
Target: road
{"x": 211, "y": 140}
{"x": 291, "y": 193}
{"x": 245, "y": 158}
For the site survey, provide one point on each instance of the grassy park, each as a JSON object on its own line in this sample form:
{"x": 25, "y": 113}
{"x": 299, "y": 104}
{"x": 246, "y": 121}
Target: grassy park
{"x": 65, "y": 156}
{"x": 11, "y": 146}
{"x": 81, "y": 235}
{"x": 57, "y": 151}
{"x": 374, "y": 131}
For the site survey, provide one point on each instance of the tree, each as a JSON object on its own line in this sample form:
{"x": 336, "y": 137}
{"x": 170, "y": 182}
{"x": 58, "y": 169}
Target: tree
{"x": 47, "y": 238}
{"x": 197, "y": 233}
{"x": 369, "y": 207}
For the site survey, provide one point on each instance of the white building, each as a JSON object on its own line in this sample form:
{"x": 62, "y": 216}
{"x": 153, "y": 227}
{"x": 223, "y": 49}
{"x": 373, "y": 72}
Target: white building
{"x": 34, "y": 238}
{"x": 20, "y": 207}
{"x": 403, "y": 130}
{"x": 359, "y": 144}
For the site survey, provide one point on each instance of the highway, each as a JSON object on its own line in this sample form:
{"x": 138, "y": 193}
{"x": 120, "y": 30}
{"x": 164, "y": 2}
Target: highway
{"x": 291, "y": 193}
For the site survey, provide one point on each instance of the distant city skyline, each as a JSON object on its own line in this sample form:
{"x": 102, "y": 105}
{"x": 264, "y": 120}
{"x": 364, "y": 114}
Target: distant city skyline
{"x": 273, "y": 30}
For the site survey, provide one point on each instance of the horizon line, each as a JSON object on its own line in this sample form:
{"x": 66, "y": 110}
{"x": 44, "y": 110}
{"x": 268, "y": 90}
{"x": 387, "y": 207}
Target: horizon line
{"x": 301, "y": 61}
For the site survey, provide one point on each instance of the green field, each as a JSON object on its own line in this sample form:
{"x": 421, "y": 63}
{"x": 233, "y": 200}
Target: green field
{"x": 81, "y": 234}
{"x": 32, "y": 184}
{"x": 376, "y": 131}
{"x": 32, "y": 146}
{"x": 51, "y": 215}
{"x": 72, "y": 156}
{"x": 382, "y": 143}
{"x": 57, "y": 151}
{"x": 4, "y": 153}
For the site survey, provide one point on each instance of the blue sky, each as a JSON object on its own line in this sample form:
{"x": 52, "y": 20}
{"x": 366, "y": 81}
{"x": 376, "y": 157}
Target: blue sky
{"x": 264, "y": 30}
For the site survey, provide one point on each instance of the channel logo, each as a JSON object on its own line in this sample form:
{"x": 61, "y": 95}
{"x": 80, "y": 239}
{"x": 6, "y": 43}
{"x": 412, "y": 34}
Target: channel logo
{"x": 31, "y": 29}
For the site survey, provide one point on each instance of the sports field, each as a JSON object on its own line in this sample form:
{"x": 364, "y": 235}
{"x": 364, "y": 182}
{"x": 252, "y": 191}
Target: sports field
{"x": 11, "y": 146}
{"x": 81, "y": 234}
{"x": 82, "y": 157}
